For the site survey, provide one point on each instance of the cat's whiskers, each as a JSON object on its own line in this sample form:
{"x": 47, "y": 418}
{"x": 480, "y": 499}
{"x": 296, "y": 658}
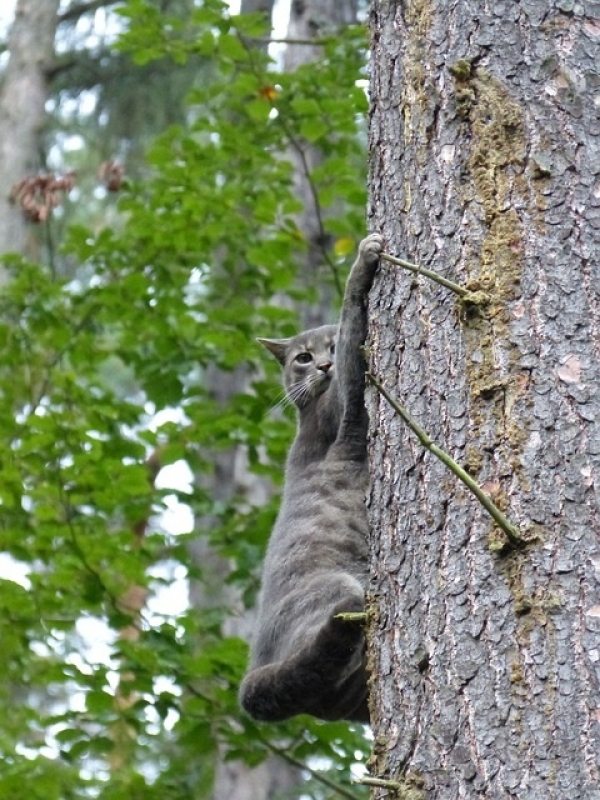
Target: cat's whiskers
{"x": 317, "y": 384}
{"x": 299, "y": 391}
{"x": 281, "y": 401}
{"x": 289, "y": 397}
{"x": 306, "y": 388}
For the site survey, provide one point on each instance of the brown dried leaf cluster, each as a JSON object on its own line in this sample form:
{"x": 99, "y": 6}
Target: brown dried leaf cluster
{"x": 39, "y": 194}
{"x": 111, "y": 174}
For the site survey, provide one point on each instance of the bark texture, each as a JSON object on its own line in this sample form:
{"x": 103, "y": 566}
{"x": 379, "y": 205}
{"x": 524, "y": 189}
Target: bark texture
{"x": 23, "y": 95}
{"x": 485, "y": 166}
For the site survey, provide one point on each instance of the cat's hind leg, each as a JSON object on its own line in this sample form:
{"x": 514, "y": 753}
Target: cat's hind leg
{"x": 325, "y": 678}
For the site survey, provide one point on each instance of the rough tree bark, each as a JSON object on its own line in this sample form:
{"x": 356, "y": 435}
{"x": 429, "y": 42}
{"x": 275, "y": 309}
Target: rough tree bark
{"x": 485, "y": 166}
{"x": 23, "y": 95}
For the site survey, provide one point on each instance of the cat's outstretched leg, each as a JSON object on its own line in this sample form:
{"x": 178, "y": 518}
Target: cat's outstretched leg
{"x": 352, "y": 434}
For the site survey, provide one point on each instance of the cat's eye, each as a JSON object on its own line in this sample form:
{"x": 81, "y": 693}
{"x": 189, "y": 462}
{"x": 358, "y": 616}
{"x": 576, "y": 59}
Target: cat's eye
{"x": 304, "y": 358}
{"x": 332, "y": 349}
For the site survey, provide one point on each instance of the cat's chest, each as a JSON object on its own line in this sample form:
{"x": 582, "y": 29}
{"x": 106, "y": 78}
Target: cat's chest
{"x": 326, "y": 478}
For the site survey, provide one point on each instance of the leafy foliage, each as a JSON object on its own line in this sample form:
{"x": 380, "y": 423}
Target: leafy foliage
{"x": 162, "y": 308}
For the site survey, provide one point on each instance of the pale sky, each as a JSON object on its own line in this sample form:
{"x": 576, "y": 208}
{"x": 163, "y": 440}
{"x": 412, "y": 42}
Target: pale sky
{"x": 7, "y": 10}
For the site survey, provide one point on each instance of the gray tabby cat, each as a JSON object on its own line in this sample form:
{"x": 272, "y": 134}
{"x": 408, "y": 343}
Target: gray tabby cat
{"x": 304, "y": 660}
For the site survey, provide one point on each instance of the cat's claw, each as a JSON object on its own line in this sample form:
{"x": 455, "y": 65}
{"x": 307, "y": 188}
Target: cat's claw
{"x": 371, "y": 247}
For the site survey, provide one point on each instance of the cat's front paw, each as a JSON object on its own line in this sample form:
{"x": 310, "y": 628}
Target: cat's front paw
{"x": 371, "y": 248}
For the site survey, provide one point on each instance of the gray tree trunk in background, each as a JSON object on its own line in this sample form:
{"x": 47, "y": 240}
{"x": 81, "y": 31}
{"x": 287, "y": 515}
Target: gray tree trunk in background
{"x": 234, "y": 779}
{"x": 309, "y": 20}
{"x": 273, "y": 777}
{"x": 257, "y": 6}
{"x": 23, "y": 95}
{"x": 485, "y": 166}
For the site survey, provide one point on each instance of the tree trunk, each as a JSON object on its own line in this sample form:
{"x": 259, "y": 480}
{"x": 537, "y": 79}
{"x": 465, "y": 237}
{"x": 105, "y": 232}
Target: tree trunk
{"x": 23, "y": 95}
{"x": 257, "y": 7}
{"x": 310, "y": 20}
{"x": 235, "y": 779}
{"x": 485, "y": 167}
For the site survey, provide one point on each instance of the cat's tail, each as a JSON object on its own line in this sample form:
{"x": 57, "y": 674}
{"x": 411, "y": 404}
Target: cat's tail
{"x": 327, "y": 680}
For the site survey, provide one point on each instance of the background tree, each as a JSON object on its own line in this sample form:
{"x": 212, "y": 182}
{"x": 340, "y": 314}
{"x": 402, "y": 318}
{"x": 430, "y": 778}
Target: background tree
{"x": 229, "y": 479}
{"x": 308, "y": 25}
{"x": 130, "y": 102}
{"x": 72, "y": 102}
{"x": 485, "y": 163}
{"x": 23, "y": 94}
{"x": 313, "y": 154}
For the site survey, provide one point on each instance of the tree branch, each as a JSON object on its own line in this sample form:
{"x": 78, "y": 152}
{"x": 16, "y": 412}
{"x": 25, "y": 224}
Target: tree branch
{"x": 314, "y": 773}
{"x": 352, "y": 616}
{"x": 269, "y": 40}
{"x": 381, "y": 783}
{"x": 283, "y": 754}
{"x": 476, "y": 298}
{"x": 74, "y": 12}
{"x": 296, "y": 145}
{"x": 510, "y": 530}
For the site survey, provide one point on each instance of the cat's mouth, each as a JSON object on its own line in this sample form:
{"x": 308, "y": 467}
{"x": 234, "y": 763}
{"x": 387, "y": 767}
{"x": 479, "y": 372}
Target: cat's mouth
{"x": 320, "y": 383}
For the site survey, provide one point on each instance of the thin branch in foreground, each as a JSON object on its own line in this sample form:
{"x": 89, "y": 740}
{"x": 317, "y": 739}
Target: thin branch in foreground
{"x": 271, "y": 40}
{"x": 283, "y": 754}
{"x": 294, "y": 762}
{"x": 296, "y": 145}
{"x": 403, "y": 789}
{"x": 76, "y": 11}
{"x": 352, "y": 616}
{"x": 476, "y": 298}
{"x": 512, "y": 534}
{"x": 381, "y": 783}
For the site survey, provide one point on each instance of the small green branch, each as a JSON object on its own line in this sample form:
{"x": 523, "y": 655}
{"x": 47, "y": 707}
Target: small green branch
{"x": 270, "y": 40}
{"x": 511, "y": 532}
{"x": 282, "y": 753}
{"x": 352, "y": 616}
{"x": 476, "y": 298}
{"x": 294, "y": 762}
{"x": 380, "y": 783}
{"x": 409, "y": 788}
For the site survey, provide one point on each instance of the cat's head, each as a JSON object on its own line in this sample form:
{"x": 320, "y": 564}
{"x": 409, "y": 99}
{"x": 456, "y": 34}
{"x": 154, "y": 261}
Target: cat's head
{"x": 308, "y": 362}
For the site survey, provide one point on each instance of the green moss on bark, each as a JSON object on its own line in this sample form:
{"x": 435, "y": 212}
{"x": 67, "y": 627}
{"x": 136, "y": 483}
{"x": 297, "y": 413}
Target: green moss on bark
{"x": 496, "y": 165}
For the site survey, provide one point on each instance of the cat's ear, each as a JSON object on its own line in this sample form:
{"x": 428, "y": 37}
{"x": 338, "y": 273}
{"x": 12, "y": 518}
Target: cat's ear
{"x": 276, "y": 346}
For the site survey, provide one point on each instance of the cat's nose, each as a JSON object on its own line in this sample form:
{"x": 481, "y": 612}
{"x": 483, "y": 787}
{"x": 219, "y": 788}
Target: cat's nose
{"x": 325, "y": 366}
